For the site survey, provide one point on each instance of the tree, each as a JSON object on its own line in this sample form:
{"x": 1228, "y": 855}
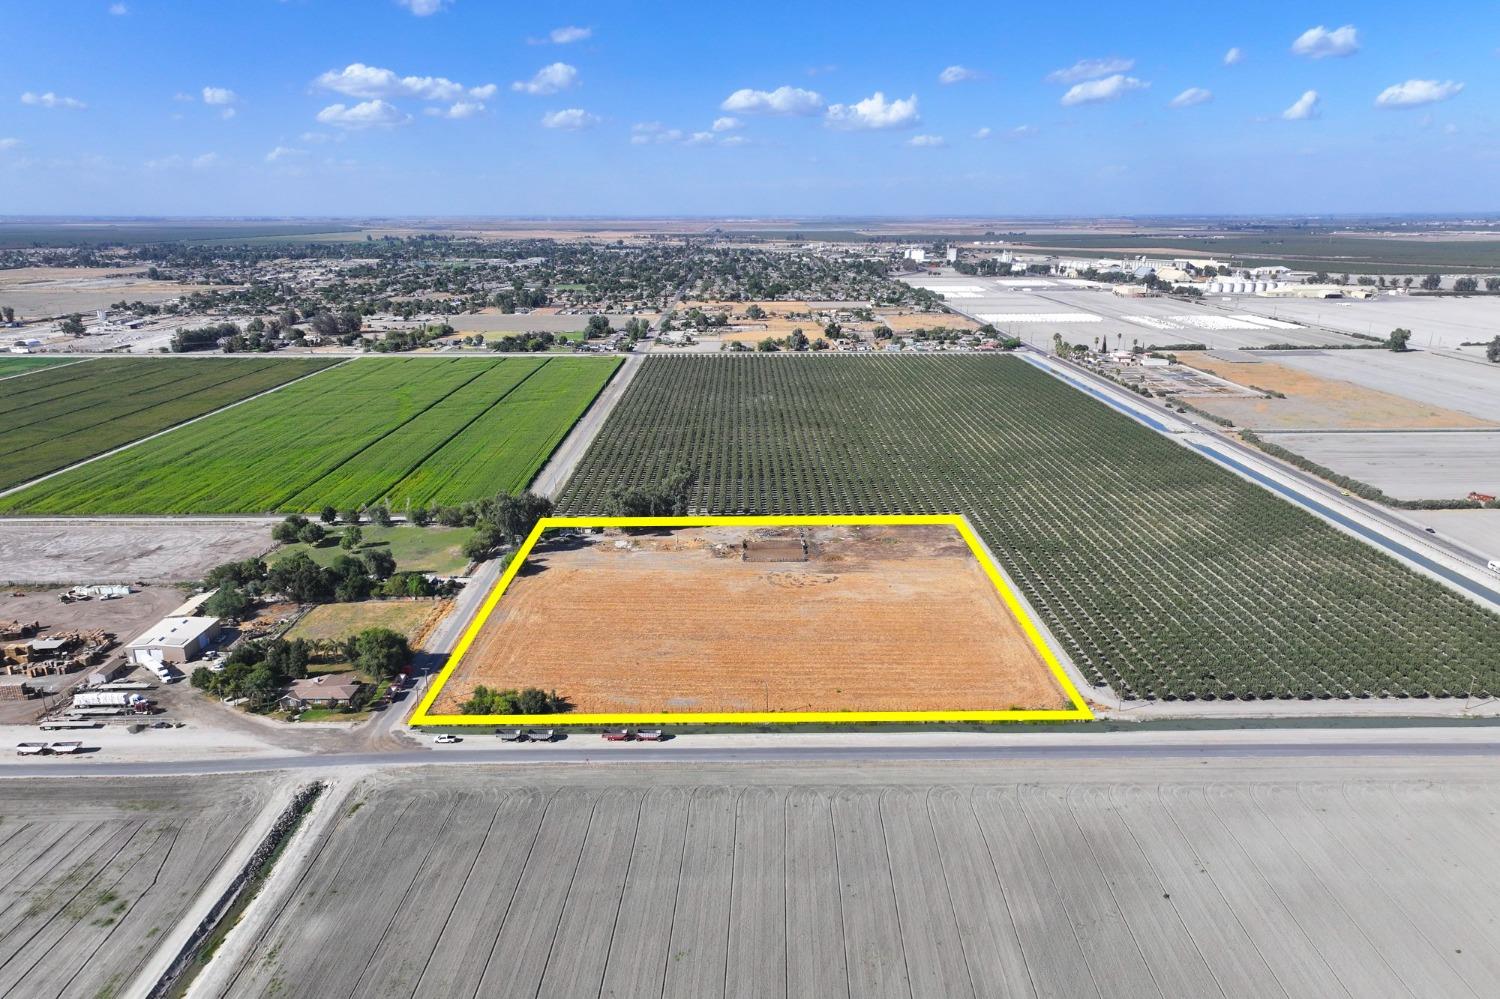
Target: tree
{"x": 301, "y": 579}
{"x": 1466, "y": 286}
{"x": 1490, "y": 284}
{"x": 380, "y": 652}
{"x": 349, "y": 515}
{"x": 351, "y": 539}
{"x": 73, "y": 325}
{"x": 380, "y": 562}
{"x": 1493, "y": 350}
{"x": 9, "y": 314}
{"x": 528, "y": 701}
{"x": 329, "y": 515}
{"x": 289, "y": 530}
{"x": 598, "y": 327}
{"x": 1432, "y": 282}
{"x": 755, "y": 312}
{"x": 228, "y": 601}
{"x": 312, "y": 534}
{"x": 1398, "y": 338}
{"x": 381, "y": 516}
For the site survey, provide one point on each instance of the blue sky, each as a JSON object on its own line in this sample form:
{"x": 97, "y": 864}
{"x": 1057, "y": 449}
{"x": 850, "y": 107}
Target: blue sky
{"x": 469, "y": 107}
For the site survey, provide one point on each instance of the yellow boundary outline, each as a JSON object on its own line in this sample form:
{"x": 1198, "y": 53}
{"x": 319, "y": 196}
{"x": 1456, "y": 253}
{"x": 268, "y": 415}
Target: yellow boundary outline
{"x": 1078, "y": 712}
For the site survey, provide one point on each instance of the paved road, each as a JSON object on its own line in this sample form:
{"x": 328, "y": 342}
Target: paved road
{"x": 589, "y": 750}
{"x": 555, "y": 474}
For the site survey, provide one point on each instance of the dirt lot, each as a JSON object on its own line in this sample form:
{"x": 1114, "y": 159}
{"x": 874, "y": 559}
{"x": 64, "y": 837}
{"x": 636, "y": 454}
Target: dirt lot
{"x": 123, "y": 551}
{"x": 878, "y": 619}
{"x": 97, "y": 875}
{"x": 1316, "y": 403}
{"x": 126, "y": 617}
{"x": 50, "y": 291}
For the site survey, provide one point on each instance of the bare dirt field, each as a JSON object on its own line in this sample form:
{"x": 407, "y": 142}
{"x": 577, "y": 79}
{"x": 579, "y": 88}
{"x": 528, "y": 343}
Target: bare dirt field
{"x": 1420, "y": 465}
{"x": 36, "y": 292}
{"x": 1020, "y": 879}
{"x": 1315, "y": 402}
{"x": 877, "y": 619}
{"x": 123, "y": 551}
{"x": 95, "y": 875}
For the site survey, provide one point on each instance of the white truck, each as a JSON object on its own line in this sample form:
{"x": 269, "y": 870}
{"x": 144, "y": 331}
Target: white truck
{"x": 1494, "y": 566}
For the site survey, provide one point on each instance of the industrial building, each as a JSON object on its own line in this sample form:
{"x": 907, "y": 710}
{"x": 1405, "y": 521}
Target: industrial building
{"x": 173, "y": 641}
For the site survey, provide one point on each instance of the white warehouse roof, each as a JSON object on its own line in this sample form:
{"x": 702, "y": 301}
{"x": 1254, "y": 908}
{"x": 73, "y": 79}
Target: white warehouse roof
{"x": 174, "y": 632}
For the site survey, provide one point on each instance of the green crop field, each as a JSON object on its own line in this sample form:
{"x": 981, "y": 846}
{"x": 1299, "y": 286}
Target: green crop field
{"x": 61, "y": 415}
{"x": 1162, "y": 574}
{"x": 406, "y": 431}
{"x": 19, "y": 364}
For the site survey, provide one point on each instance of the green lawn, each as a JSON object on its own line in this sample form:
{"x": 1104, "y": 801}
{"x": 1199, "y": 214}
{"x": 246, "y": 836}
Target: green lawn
{"x": 416, "y": 549}
{"x": 403, "y": 431}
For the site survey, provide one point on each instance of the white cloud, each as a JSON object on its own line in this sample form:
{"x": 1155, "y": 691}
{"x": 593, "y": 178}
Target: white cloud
{"x": 1108, "y": 89}
{"x": 569, "y": 34}
{"x": 927, "y": 142}
{"x": 569, "y": 119}
{"x": 1415, "y": 93}
{"x": 874, "y": 112}
{"x": 654, "y": 133}
{"x": 228, "y": 113}
{"x": 1191, "y": 97}
{"x": 983, "y": 132}
{"x": 959, "y": 74}
{"x": 284, "y": 153}
{"x": 9, "y": 143}
{"x": 458, "y": 110}
{"x": 1234, "y": 57}
{"x": 782, "y": 100}
{"x": 1021, "y": 132}
{"x": 423, "y": 8}
{"x": 118, "y": 9}
{"x": 1320, "y": 43}
{"x": 551, "y": 79}
{"x": 51, "y": 100}
{"x": 727, "y": 124}
{"x": 219, "y": 95}
{"x": 484, "y": 93}
{"x": 648, "y": 132}
{"x": 366, "y": 114}
{"x": 177, "y": 162}
{"x": 1089, "y": 69}
{"x": 367, "y": 82}
{"x": 1305, "y": 107}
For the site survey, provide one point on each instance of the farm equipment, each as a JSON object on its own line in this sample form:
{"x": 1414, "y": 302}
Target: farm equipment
{"x": 652, "y": 735}
{"x": 542, "y": 734}
{"x": 511, "y": 735}
{"x": 32, "y": 749}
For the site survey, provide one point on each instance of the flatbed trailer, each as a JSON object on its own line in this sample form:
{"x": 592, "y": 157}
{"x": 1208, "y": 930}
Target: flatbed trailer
{"x": 66, "y": 723}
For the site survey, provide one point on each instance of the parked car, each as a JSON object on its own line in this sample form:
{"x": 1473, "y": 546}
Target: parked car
{"x": 443, "y": 738}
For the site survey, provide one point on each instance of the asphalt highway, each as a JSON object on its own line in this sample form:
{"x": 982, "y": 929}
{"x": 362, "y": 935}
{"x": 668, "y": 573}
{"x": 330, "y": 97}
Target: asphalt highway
{"x": 588, "y": 750}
